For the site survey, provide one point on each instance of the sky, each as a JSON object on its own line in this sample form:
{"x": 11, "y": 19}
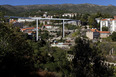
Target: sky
{"x": 32, "y": 2}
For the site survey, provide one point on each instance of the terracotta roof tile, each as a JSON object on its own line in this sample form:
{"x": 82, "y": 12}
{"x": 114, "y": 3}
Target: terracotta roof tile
{"x": 29, "y": 32}
{"x": 104, "y": 32}
{"x": 93, "y": 30}
{"x": 112, "y": 19}
{"x": 29, "y": 28}
{"x": 104, "y": 19}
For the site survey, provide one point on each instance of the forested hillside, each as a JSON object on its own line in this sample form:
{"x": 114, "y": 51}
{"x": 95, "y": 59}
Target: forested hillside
{"x": 60, "y": 8}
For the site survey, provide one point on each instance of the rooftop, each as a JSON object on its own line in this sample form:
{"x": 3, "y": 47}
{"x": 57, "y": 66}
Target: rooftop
{"x": 94, "y": 30}
{"x": 104, "y": 32}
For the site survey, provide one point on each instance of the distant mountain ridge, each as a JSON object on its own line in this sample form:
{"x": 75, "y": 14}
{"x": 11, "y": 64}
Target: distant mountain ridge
{"x": 80, "y": 8}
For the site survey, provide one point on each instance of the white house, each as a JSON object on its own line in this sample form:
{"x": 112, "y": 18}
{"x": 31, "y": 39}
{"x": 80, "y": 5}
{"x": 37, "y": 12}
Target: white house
{"x": 61, "y": 45}
{"x": 25, "y": 20}
{"x": 110, "y": 23}
{"x": 69, "y": 14}
{"x": 48, "y": 26}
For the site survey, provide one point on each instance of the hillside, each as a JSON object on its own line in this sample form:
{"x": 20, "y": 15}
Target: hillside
{"x": 80, "y": 8}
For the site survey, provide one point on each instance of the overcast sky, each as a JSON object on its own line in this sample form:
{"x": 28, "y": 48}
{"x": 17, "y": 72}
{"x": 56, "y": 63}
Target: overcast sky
{"x": 31, "y": 2}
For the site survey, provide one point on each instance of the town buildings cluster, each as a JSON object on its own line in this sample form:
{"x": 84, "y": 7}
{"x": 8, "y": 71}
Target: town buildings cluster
{"x": 50, "y": 26}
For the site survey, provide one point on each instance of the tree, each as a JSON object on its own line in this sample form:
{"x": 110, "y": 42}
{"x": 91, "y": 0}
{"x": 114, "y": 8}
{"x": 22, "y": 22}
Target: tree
{"x": 15, "y": 54}
{"x": 71, "y": 27}
{"x": 113, "y": 36}
{"x": 88, "y": 60}
{"x": 92, "y": 21}
{"x": 84, "y": 19}
{"x": 105, "y": 28}
{"x": 1, "y": 16}
{"x": 44, "y": 34}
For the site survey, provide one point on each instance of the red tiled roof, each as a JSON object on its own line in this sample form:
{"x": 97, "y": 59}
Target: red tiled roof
{"x": 104, "y": 32}
{"x": 112, "y": 19}
{"x": 23, "y": 29}
{"x": 29, "y": 28}
{"x": 93, "y": 30}
{"x": 29, "y": 32}
{"x": 104, "y": 19}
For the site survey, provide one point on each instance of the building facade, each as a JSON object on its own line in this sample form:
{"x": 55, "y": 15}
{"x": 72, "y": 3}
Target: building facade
{"x": 110, "y": 23}
{"x": 92, "y": 34}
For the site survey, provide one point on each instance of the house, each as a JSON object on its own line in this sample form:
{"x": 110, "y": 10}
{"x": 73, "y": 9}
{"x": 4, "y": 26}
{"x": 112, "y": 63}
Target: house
{"x": 74, "y": 22}
{"x": 12, "y": 21}
{"x": 28, "y": 30}
{"x": 69, "y": 14}
{"x": 61, "y": 45}
{"x": 95, "y": 34}
{"x": 25, "y": 20}
{"x": 48, "y": 26}
{"x": 110, "y": 23}
{"x": 104, "y": 34}
{"x": 92, "y": 34}
{"x": 105, "y": 23}
{"x": 44, "y": 22}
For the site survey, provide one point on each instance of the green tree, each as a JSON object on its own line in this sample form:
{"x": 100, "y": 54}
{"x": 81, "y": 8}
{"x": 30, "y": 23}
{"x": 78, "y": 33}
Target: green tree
{"x": 88, "y": 60}
{"x": 71, "y": 27}
{"x": 105, "y": 28}
{"x": 15, "y": 54}
{"x": 92, "y": 21}
{"x": 113, "y": 36}
{"x": 44, "y": 34}
{"x": 84, "y": 19}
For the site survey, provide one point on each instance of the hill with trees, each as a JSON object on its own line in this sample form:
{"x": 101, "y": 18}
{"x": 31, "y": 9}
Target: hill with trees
{"x": 61, "y": 8}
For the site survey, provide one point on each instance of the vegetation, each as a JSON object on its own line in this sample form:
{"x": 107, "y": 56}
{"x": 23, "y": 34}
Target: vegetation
{"x": 113, "y": 36}
{"x": 71, "y": 27}
{"x": 104, "y": 28}
{"x": 89, "y": 57}
{"x": 90, "y": 19}
{"x": 56, "y": 9}
{"x": 15, "y": 54}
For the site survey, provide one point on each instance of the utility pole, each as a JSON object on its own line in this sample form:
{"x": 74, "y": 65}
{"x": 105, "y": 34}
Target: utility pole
{"x": 63, "y": 30}
{"x": 36, "y": 29}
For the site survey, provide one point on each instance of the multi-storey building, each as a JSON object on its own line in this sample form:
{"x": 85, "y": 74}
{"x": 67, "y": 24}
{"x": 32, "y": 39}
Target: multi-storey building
{"x": 110, "y": 23}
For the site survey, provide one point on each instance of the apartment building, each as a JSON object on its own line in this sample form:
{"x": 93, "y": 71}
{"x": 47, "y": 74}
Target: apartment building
{"x": 110, "y": 23}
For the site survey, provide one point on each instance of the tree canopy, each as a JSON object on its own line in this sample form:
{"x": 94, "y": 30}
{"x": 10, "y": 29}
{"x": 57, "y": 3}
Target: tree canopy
{"x": 113, "y": 36}
{"x": 15, "y": 54}
{"x": 88, "y": 60}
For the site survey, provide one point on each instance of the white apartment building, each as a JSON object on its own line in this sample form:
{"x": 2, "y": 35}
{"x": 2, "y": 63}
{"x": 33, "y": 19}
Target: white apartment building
{"x": 25, "y": 20}
{"x": 61, "y": 45}
{"x": 69, "y": 14}
{"x": 110, "y": 23}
